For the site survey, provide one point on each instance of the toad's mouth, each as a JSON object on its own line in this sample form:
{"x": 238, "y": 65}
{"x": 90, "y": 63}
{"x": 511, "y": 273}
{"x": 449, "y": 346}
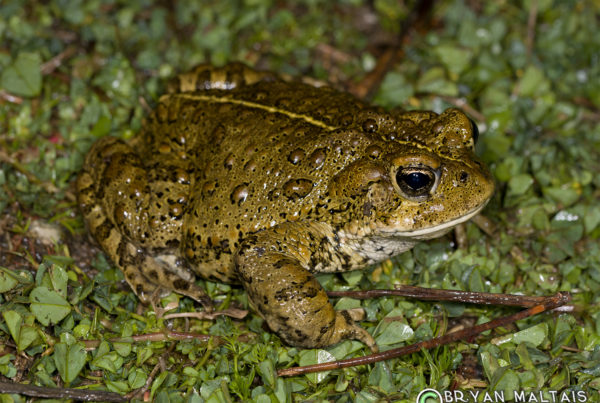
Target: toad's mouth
{"x": 437, "y": 230}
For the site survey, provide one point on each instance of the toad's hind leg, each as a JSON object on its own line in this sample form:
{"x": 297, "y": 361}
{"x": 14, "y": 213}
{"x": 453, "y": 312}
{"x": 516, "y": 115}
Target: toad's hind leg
{"x": 120, "y": 201}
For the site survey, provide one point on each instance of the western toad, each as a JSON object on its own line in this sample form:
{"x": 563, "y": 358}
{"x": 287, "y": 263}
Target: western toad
{"x": 241, "y": 176}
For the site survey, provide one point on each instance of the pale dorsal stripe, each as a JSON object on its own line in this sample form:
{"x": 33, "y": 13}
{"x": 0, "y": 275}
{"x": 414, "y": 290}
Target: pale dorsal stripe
{"x": 249, "y": 104}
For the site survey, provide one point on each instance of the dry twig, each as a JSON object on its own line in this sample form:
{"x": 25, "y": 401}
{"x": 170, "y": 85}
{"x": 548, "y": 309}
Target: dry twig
{"x": 60, "y": 393}
{"x": 547, "y": 304}
{"x": 432, "y": 294}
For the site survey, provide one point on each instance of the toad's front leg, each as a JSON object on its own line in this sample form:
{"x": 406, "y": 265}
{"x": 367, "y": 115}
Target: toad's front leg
{"x": 273, "y": 266}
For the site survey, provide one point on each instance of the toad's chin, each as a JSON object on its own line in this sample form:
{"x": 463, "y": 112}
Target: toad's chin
{"x": 434, "y": 231}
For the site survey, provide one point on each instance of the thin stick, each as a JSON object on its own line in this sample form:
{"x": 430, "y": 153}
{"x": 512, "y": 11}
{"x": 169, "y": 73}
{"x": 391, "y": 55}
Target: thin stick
{"x": 419, "y": 15}
{"x": 531, "y": 23}
{"x": 433, "y": 294}
{"x": 549, "y": 303}
{"x": 60, "y": 393}
{"x": 157, "y": 336}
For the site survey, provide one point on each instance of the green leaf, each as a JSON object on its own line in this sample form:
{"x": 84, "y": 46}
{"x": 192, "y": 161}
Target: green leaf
{"x": 123, "y": 349}
{"x": 282, "y": 391}
{"x": 266, "y": 370}
{"x": 506, "y": 380}
{"x": 476, "y": 281}
{"x": 69, "y": 360}
{"x": 565, "y": 195}
{"x": 102, "y": 126}
{"x": 519, "y": 184}
{"x": 13, "y": 322}
{"x": 489, "y": 363}
{"x": 28, "y": 335}
{"x": 382, "y": 377}
{"x": 310, "y": 357}
{"x": 106, "y": 359}
{"x": 6, "y": 366}
{"x": 591, "y": 219}
{"x": 524, "y": 357}
{"x": 48, "y": 306}
{"x": 365, "y": 396}
{"x": 137, "y": 378}
{"x": 157, "y": 382}
{"x": 533, "y": 82}
{"x": 455, "y": 59}
{"x": 107, "y": 362}
{"x": 394, "y": 91}
{"x": 8, "y": 280}
{"x": 394, "y": 332}
{"x": 434, "y": 81}
{"x": 117, "y": 386}
{"x": 23, "y": 77}
{"x": 535, "y": 335}
{"x": 59, "y": 279}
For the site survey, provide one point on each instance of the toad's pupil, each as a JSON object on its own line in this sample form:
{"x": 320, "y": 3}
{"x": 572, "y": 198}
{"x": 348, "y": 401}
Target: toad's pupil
{"x": 416, "y": 180}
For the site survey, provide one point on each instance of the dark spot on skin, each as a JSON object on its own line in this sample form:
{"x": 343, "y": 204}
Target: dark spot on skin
{"x": 311, "y": 292}
{"x": 250, "y": 166}
{"x": 180, "y": 176}
{"x": 122, "y": 252}
{"x": 260, "y": 251}
{"x": 103, "y": 230}
{"x": 217, "y": 135}
{"x": 367, "y": 208}
{"x": 138, "y": 259}
{"x": 370, "y": 126}
{"x": 373, "y": 151}
{"x": 209, "y": 187}
{"x": 296, "y": 156}
{"x": 295, "y": 189}
{"x": 273, "y": 194}
{"x": 239, "y": 194}
{"x": 283, "y": 102}
{"x": 346, "y": 120}
{"x": 181, "y": 284}
{"x": 463, "y": 176}
{"x": 228, "y": 163}
{"x": 153, "y": 275}
{"x": 347, "y": 317}
{"x": 317, "y": 158}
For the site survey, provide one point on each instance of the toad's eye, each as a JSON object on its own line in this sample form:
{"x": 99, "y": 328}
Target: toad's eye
{"x": 415, "y": 182}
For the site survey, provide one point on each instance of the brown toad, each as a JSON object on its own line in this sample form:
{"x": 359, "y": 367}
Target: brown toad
{"x": 240, "y": 176}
